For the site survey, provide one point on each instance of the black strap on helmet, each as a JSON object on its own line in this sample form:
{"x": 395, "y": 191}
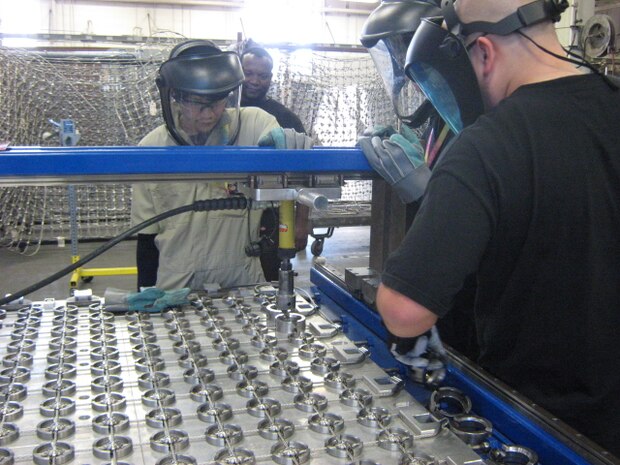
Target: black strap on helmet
{"x": 526, "y": 15}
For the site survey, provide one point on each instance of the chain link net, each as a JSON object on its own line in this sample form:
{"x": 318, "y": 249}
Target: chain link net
{"x": 113, "y": 100}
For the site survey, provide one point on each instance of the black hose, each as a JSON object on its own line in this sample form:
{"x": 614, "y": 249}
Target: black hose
{"x": 232, "y": 203}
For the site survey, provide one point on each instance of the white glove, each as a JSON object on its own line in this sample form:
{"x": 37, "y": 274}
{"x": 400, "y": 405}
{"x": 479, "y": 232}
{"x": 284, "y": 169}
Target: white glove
{"x": 427, "y": 352}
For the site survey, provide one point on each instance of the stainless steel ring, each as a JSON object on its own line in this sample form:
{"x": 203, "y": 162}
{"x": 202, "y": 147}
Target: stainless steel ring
{"x": 449, "y": 402}
{"x": 514, "y": 454}
{"x": 472, "y": 429}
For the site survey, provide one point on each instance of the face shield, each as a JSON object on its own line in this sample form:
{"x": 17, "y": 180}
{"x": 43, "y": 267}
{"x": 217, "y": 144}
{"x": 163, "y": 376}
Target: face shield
{"x": 386, "y": 34}
{"x": 389, "y": 55}
{"x": 200, "y": 97}
{"x": 438, "y": 60}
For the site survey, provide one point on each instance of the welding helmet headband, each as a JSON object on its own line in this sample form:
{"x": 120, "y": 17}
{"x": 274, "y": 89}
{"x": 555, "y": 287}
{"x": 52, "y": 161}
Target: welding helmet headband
{"x": 201, "y": 83}
{"x": 438, "y": 60}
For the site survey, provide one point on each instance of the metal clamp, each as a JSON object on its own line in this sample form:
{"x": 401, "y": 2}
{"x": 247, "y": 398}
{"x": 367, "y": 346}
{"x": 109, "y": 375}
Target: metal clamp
{"x": 472, "y": 429}
{"x": 449, "y": 402}
{"x": 514, "y": 454}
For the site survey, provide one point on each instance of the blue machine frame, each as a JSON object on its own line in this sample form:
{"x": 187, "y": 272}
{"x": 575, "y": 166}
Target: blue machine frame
{"x": 111, "y": 164}
{"x": 511, "y": 425}
{"x": 67, "y": 162}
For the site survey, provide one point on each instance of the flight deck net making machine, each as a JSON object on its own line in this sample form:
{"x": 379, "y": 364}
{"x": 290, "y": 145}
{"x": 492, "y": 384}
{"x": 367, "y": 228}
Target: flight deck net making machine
{"x": 259, "y": 374}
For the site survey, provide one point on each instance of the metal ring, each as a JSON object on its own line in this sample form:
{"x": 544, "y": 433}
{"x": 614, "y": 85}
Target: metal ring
{"x": 9, "y": 433}
{"x": 449, "y": 402}
{"x": 276, "y": 429}
{"x": 472, "y": 429}
{"x": 197, "y": 375}
{"x": 164, "y": 417}
{"x": 284, "y": 368}
{"x": 395, "y": 439}
{"x": 112, "y": 422}
{"x": 297, "y": 384}
{"x": 263, "y": 407}
{"x": 240, "y": 372}
{"x": 64, "y": 387}
{"x": 60, "y": 451}
{"x": 177, "y": 460}
{"x": 356, "y": 397}
{"x": 374, "y": 417}
{"x": 106, "y": 383}
{"x": 310, "y": 402}
{"x": 339, "y": 381}
{"x": 54, "y": 406}
{"x": 206, "y": 392}
{"x": 116, "y": 446}
{"x": 109, "y": 401}
{"x": 153, "y": 379}
{"x": 159, "y": 397}
{"x": 252, "y": 388}
{"x": 6, "y": 457}
{"x": 328, "y": 423}
{"x": 11, "y": 411}
{"x": 169, "y": 440}
{"x": 13, "y": 391}
{"x": 344, "y": 446}
{"x": 236, "y": 455}
{"x": 214, "y": 412}
{"x": 224, "y": 435}
{"x": 101, "y": 367}
{"x": 290, "y": 453}
{"x": 55, "y": 428}
{"x": 514, "y": 454}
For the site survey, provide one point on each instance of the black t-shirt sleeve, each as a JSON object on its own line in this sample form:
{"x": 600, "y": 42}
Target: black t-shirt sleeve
{"x": 297, "y": 124}
{"x": 288, "y": 119}
{"x": 448, "y": 236}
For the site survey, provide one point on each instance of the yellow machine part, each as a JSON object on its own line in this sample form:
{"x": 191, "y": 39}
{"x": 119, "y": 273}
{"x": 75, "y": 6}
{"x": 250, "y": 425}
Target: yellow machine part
{"x": 86, "y": 274}
{"x": 287, "y": 225}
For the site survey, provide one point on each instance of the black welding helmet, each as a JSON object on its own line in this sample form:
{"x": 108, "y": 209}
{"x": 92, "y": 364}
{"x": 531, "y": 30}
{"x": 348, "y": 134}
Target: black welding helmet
{"x": 386, "y": 34}
{"x": 199, "y": 86}
{"x": 438, "y": 60}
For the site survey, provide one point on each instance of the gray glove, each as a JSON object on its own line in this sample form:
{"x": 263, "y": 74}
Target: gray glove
{"x": 398, "y": 159}
{"x": 285, "y": 138}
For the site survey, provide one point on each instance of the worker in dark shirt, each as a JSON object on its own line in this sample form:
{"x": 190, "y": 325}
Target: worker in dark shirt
{"x": 527, "y": 197}
{"x": 257, "y": 67}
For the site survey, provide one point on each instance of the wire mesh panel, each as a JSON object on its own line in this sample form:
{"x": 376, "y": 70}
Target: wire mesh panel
{"x": 113, "y": 100}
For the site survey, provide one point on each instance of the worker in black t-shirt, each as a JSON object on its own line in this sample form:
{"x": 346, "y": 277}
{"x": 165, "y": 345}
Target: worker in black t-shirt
{"x": 527, "y": 197}
{"x": 258, "y": 69}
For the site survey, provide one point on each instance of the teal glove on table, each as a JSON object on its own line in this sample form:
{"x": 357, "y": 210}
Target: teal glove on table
{"x": 285, "y": 138}
{"x": 153, "y": 299}
{"x": 398, "y": 157}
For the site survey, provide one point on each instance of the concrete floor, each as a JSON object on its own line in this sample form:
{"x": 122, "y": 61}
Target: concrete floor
{"x": 348, "y": 247}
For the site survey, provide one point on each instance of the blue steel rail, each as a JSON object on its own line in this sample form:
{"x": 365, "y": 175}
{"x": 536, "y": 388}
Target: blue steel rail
{"x": 120, "y": 162}
{"x": 510, "y": 424}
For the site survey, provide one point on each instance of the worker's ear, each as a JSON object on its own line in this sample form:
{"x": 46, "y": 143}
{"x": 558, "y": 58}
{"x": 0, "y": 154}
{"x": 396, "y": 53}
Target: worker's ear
{"x": 486, "y": 53}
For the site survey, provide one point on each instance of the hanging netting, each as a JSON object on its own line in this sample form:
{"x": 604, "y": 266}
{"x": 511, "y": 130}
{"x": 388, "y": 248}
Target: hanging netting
{"x": 113, "y": 101}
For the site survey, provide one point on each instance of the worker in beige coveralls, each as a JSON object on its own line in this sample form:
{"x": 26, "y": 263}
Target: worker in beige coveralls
{"x": 200, "y": 91}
